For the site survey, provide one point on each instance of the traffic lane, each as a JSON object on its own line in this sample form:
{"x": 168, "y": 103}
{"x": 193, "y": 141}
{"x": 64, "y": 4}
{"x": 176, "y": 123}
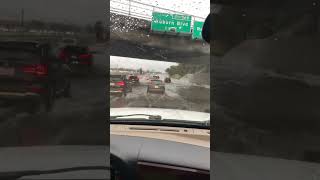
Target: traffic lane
{"x": 81, "y": 119}
{"x": 70, "y": 118}
{"x": 175, "y": 97}
{"x": 76, "y": 121}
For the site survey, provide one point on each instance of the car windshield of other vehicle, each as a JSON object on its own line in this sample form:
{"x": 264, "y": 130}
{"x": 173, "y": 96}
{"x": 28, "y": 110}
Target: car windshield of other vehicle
{"x": 116, "y": 78}
{"x": 133, "y": 77}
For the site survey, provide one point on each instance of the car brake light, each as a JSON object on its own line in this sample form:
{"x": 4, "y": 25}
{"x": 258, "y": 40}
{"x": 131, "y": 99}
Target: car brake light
{"x": 121, "y": 83}
{"x": 36, "y": 69}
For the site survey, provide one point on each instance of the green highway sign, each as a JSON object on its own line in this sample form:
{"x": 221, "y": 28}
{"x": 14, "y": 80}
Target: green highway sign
{"x": 164, "y": 22}
{"x": 197, "y": 30}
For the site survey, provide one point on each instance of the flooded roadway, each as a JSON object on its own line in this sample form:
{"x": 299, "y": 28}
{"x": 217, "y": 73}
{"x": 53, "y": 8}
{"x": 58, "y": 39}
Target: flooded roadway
{"x": 177, "y": 96}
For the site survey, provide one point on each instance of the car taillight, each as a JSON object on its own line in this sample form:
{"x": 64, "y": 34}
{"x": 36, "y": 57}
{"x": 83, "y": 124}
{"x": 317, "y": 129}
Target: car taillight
{"x": 85, "y": 56}
{"x": 121, "y": 83}
{"x": 36, "y": 69}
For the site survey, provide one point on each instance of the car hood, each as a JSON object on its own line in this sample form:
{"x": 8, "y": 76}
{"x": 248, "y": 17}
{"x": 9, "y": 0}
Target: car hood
{"x": 164, "y": 113}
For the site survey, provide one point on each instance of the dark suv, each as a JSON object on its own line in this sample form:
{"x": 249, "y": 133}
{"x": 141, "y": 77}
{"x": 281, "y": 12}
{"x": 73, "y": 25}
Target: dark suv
{"x": 167, "y": 80}
{"x": 119, "y": 85}
{"x": 31, "y": 75}
{"x": 156, "y": 86}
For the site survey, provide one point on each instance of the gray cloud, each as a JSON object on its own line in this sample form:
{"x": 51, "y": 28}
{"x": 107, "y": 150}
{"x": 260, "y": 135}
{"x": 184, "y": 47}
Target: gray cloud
{"x": 74, "y": 11}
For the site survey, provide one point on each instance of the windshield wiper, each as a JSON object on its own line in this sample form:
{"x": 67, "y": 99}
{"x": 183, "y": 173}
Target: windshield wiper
{"x": 157, "y": 121}
{"x": 150, "y": 117}
{"x": 19, "y": 174}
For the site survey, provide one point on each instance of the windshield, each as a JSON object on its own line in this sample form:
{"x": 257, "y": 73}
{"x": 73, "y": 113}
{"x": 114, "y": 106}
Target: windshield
{"x": 152, "y": 43}
{"x": 46, "y": 106}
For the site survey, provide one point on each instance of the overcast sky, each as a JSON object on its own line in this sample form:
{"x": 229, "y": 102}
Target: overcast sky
{"x": 87, "y": 11}
{"x": 133, "y": 63}
{"x": 73, "y": 11}
{"x": 194, "y": 7}
{"x": 199, "y": 8}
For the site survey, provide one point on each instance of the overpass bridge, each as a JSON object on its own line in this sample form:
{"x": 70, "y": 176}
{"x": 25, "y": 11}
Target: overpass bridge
{"x": 131, "y": 36}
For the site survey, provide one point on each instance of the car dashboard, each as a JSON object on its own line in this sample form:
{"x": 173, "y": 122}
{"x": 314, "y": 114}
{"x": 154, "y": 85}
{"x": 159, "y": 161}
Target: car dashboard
{"x": 156, "y": 157}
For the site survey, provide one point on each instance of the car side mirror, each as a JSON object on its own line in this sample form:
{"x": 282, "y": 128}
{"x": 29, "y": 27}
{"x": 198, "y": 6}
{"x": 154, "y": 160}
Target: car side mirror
{"x": 206, "y": 28}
